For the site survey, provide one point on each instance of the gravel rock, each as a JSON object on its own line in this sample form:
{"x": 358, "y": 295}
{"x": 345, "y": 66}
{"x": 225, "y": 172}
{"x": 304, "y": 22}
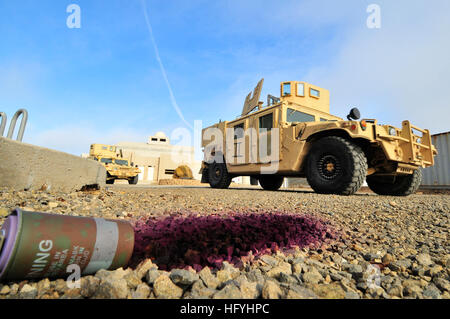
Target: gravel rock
{"x": 200, "y": 291}
{"x": 282, "y": 267}
{"x": 142, "y": 292}
{"x": 312, "y": 277}
{"x": 164, "y": 288}
{"x": 298, "y": 292}
{"x": 208, "y": 278}
{"x": 255, "y": 275}
{"x": 400, "y": 265}
{"x": 43, "y": 287}
{"x": 412, "y": 288}
{"x": 5, "y": 290}
{"x": 442, "y": 283}
{"x": 144, "y": 267}
{"x": 112, "y": 288}
{"x": 230, "y": 291}
{"x": 408, "y": 238}
{"x": 424, "y": 259}
{"x": 132, "y": 280}
{"x": 183, "y": 277}
{"x": 89, "y": 286}
{"x": 249, "y": 290}
{"x": 269, "y": 260}
{"x": 355, "y": 270}
{"x": 28, "y": 292}
{"x": 151, "y": 276}
{"x": 387, "y": 259}
{"x": 271, "y": 290}
{"x": 352, "y": 295}
{"x": 331, "y": 291}
{"x": 432, "y": 292}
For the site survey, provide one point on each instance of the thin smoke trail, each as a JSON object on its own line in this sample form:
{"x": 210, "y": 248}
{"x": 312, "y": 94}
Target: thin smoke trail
{"x": 161, "y": 66}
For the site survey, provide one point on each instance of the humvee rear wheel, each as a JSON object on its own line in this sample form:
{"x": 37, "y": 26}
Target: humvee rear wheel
{"x": 218, "y": 176}
{"x": 271, "y": 182}
{"x": 133, "y": 180}
{"x": 336, "y": 166}
{"x": 395, "y": 186}
{"x": 109, "y": 179}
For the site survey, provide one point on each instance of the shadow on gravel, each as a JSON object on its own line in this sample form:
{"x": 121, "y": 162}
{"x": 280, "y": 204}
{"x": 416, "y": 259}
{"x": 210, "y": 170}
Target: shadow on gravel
{"x": 199, "y": 241}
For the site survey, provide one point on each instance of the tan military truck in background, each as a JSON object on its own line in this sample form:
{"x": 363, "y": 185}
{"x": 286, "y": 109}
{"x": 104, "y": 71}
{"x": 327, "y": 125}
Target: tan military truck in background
{"x": 117, "y": 167}
{"x": 335, "y": 155}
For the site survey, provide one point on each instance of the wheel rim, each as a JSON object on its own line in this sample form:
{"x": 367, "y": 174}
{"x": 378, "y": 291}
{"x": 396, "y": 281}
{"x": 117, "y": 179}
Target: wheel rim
{"x": 217, "y": 173}
{"x": 329, "y": 167}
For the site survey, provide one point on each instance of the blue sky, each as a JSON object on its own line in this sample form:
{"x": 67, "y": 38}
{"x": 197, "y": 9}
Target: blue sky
{"x": 102, "y": 83}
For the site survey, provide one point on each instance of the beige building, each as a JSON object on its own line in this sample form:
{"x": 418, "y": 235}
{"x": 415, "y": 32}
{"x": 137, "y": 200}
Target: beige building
{"x": 157, "y": 159}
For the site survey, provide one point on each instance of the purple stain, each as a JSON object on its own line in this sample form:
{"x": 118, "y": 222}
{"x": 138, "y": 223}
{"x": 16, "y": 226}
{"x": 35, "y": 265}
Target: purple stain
{"x": 196, "y": 241}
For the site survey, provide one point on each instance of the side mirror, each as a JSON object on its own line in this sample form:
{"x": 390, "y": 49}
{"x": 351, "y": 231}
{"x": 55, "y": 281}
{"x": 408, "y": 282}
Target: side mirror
{"x": 354, "y": 115}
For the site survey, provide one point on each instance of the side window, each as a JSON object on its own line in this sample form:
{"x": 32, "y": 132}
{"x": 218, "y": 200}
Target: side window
{"x": 266, "y": 122}
{"x": 297, "y": 116}
{"x": 238, "y": 135}
{"x": 286, "y": 89}
{"x": 314, "y": 93}
{"x": 323, "y": 120}
{"x": 239, "y": 131}
{"x": 300, "y": 89}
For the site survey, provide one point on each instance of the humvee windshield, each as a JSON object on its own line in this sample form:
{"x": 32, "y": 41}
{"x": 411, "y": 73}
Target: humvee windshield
{"x": 297, "y": 116}
{"x": 106, "y": 160}
{"x": 121, "y": 162}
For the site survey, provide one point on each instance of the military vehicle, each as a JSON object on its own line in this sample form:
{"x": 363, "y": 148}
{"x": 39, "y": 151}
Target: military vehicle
{"x": 117, "y": 167}
{"x": 296, "y": 134}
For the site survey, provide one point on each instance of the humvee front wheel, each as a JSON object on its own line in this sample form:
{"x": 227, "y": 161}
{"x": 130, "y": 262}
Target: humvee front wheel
{"x": 395, "y": 186}
{"x": 336, "y": 166}
{"x": 271, "y": 182}
{"x": 218, "y": 176}
{"x": 133, "y": 180}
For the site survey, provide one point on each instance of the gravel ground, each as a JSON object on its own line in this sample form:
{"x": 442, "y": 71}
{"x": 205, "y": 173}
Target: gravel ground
{"x": 389, "y": 247}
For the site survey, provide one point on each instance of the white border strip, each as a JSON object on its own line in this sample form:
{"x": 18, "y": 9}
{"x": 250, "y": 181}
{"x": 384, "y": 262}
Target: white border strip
{"x": 105, "y": 246}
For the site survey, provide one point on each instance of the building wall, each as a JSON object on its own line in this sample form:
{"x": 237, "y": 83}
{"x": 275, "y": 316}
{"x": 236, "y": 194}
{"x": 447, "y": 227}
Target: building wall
{"x": 438, "y": 176}
{"x": 158, "y": 160}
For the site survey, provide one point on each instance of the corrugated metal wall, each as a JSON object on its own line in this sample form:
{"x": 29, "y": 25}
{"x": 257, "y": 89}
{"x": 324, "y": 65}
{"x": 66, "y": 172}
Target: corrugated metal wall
{"x": 438, "y": 176}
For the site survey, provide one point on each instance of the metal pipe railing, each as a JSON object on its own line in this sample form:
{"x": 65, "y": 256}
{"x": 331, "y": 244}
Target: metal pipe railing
{"x": 3, "y": 124}
{"x": 13, "y": 123}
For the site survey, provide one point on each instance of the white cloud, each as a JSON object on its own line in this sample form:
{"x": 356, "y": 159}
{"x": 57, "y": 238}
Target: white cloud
{"x": 398, "y": 72}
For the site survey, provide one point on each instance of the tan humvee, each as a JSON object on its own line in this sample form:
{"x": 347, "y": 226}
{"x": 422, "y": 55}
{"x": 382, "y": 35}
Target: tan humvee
{"x": 117, "y": 167}
{"x": 296, "y": 136}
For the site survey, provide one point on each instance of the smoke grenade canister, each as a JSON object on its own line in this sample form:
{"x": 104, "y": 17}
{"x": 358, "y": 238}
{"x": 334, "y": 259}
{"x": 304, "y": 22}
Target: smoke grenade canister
{"x": 41, "y": 245}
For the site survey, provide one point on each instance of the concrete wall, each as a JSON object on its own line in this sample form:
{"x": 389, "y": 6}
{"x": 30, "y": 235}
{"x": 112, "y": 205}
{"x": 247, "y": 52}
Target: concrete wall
{"x": 25, "y": 166}
{"x": 161, "y": 157}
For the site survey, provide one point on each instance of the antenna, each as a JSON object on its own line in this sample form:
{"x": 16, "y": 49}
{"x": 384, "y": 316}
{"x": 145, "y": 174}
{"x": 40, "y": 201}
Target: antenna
{"x": 251, "y": 102}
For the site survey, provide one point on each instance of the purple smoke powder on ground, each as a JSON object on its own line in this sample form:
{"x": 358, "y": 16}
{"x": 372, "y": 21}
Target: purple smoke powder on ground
{"x": 198, "y": 241}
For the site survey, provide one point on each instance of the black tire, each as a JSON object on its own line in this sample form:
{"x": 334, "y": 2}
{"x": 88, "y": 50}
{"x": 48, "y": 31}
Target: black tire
{"x": 271, "y": 182}
{"x": 336, "y": 166}
{"x": 218, "y": 176}
{"x": 109, "y": 179}
{"x": 134, "y": 180}
{"x": 395, "y": 186}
